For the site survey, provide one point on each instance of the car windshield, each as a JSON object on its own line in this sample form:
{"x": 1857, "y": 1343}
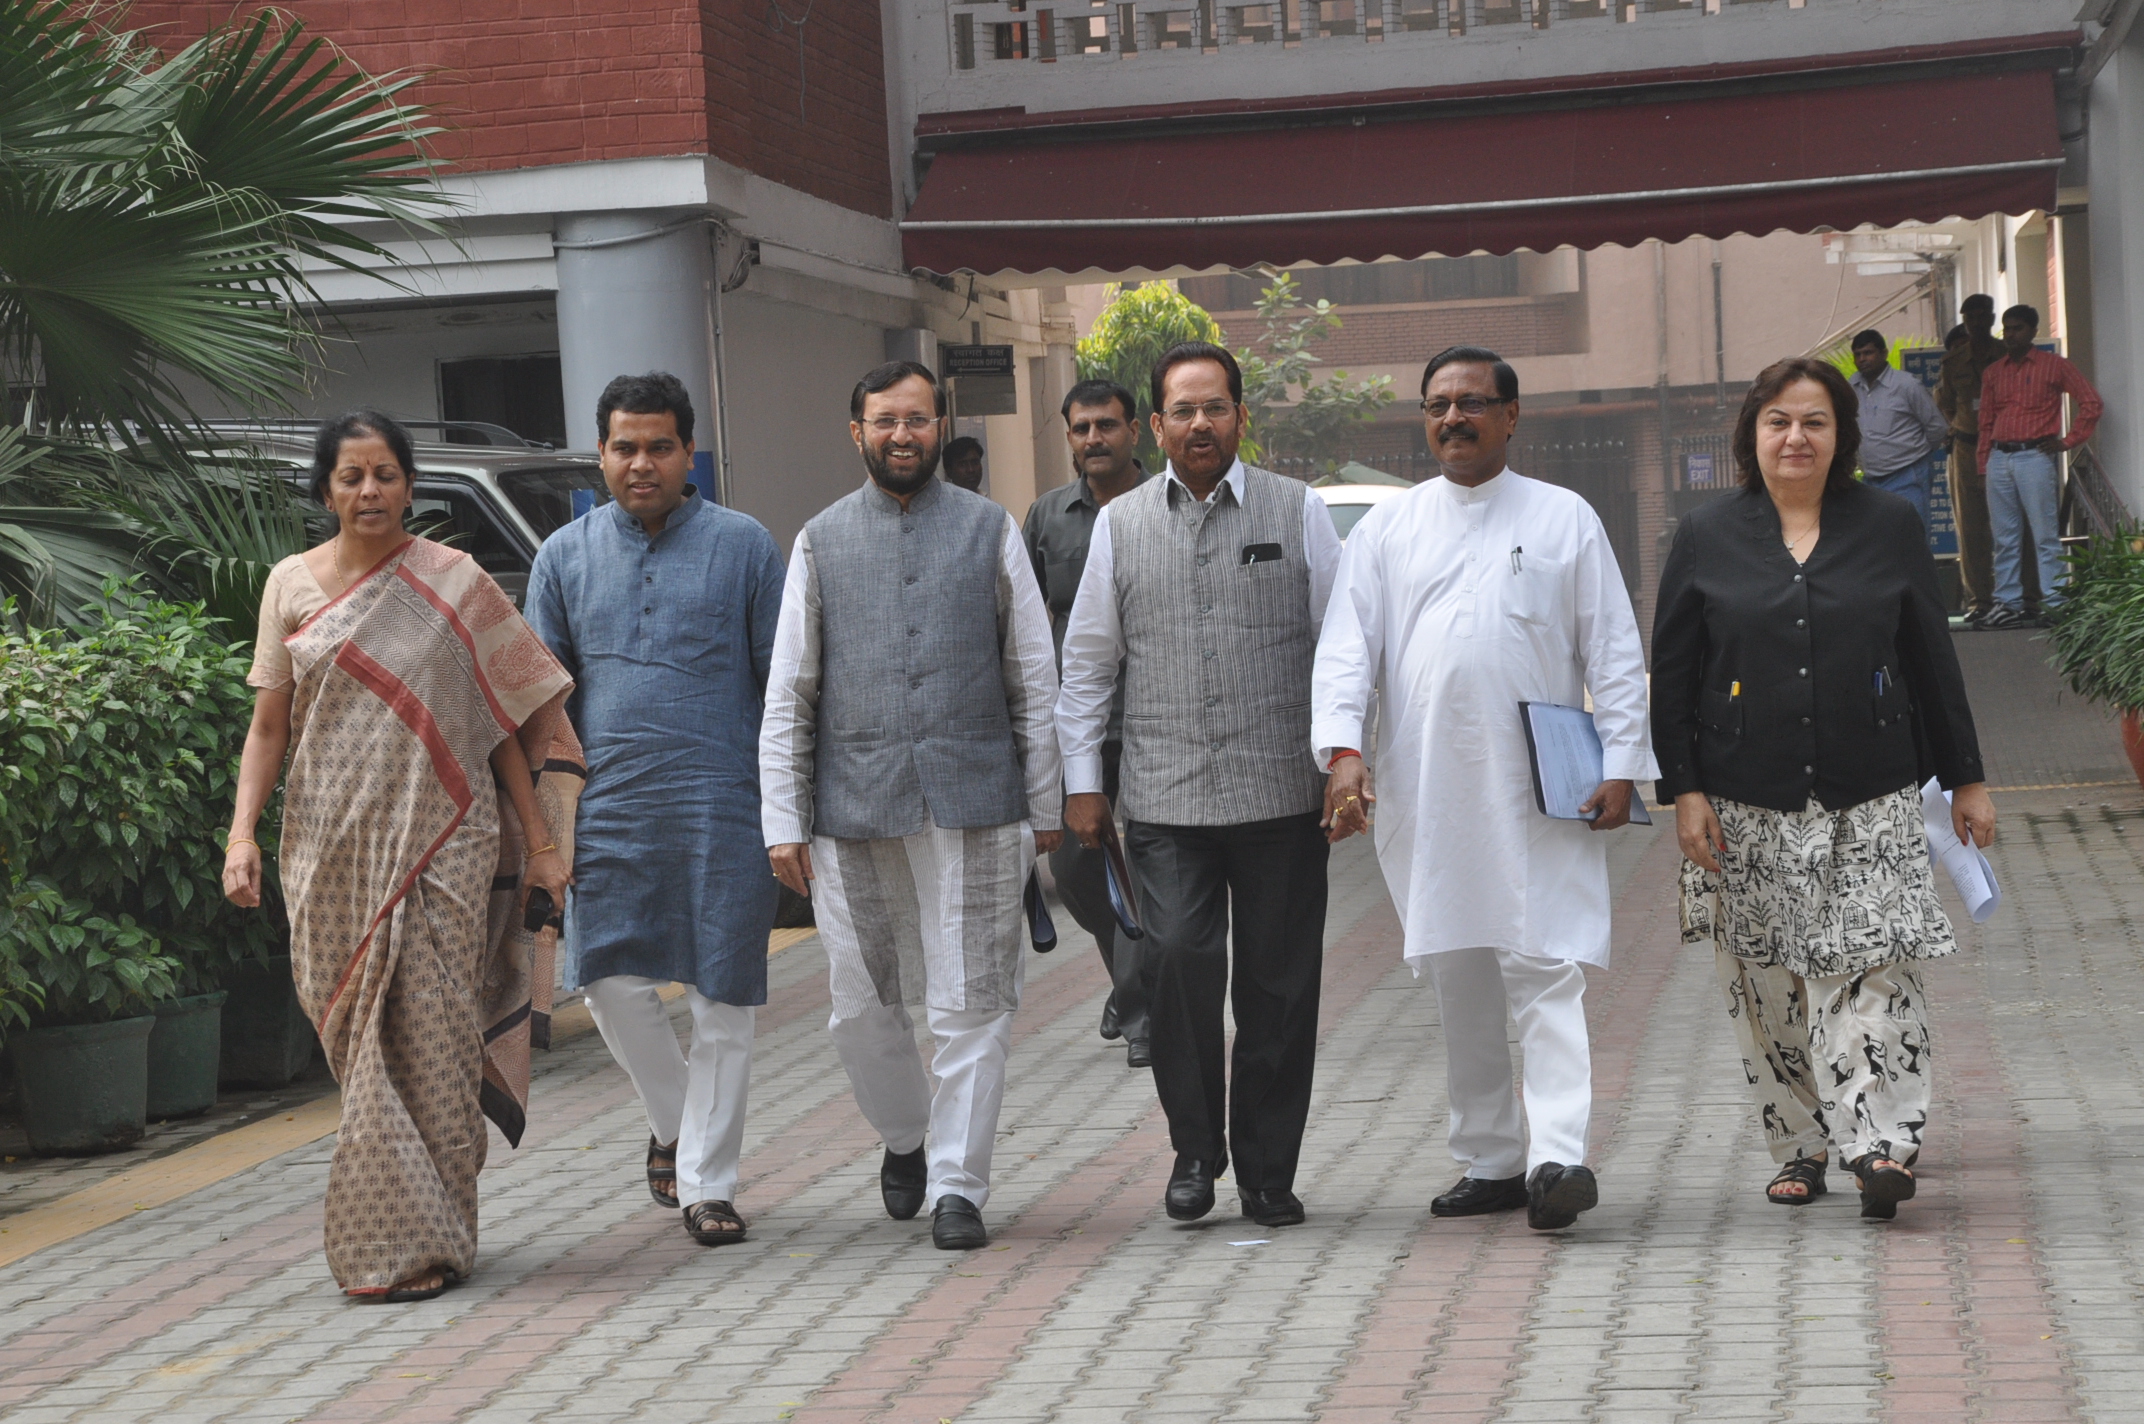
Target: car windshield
{"x": 1347, "y": 516}
{"x": 545, "y": 495}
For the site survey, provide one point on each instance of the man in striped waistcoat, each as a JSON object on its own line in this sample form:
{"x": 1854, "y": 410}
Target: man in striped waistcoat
{"x": 910, "y": 776}
{"x": 1209, "y": 586}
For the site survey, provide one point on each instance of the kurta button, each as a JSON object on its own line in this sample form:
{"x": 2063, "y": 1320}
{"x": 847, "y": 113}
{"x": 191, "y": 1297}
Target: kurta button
{"x": 649, "y": 609}
{"x": 1202, "y": 561}
{"x": 1805, "y": 672}
{"x": 915, "y": 682}
{"x": 1205, "y": 608}
{"x": 1213, "y": 702}
{"x": 915, "y": 632}
{"x": 919, "y": 736}
{"x": 1801, "y": 622}
{"x": 1881, "y": 722}
{"x": 1207, "y": 654}
{"x": 910, "y": 579}
{"x": 1213, "y": 746}
{"x": 909, "y": 529}
{"x": 1797, "y": 578}
{"x": 1808, "y": 771}
{"x": 1805, "y": 721}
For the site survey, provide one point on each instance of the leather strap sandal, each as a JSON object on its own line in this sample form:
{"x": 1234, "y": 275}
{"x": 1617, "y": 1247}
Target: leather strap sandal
{"x": 662, "y": 1172}
{"x": 714, "y": 1223}
{"x": 1884, "y": 1184}
{"x": 1807, "y": 1172}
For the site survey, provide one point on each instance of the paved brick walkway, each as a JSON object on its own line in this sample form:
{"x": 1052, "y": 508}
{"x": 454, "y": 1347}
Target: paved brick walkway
{"x": 2009, "y": 1291}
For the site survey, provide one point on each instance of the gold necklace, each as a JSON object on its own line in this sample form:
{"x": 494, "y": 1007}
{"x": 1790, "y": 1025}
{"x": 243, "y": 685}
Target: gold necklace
{"x": 1790, "y": 543}
{"x": 340, "y": 576}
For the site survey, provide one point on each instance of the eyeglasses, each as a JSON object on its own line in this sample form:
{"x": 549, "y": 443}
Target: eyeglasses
{"x": 1437, "y": 407}
{"x": 915, "y": 424}
{"x": 1215, "y": 412}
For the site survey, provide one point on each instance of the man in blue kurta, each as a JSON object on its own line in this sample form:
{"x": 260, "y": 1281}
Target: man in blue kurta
{"x": 663, "y": 606}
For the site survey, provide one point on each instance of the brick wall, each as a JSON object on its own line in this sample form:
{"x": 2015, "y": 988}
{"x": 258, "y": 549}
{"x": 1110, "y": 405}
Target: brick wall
{"x": 1380, "y": 336}
{"x": 836, "y": 148}
{"x": 525, "y": 83}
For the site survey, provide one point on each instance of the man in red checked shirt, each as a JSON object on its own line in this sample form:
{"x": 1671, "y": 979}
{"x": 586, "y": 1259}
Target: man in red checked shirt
{"x": 2020, "y": 438}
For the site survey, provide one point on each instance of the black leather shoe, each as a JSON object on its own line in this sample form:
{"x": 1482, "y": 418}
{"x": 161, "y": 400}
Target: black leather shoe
{"x": 1273, "y": 1206}
{"x": 1111, "y": 1029}
{"x": 1478, "y": 1196}
{"x": 1556, "y": 1194}
{"x": 1190, "y": 1194}
{"x": 1138, "y": 1054}
{"x": 957, "y": 1225}
{"x": 901, "y": 1179}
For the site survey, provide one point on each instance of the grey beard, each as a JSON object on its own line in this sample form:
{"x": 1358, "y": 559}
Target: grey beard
{"x": 876, "y": 465}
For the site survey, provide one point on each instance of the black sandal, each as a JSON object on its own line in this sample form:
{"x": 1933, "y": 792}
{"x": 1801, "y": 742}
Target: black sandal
{"x": 1882, "y": 1187}
{"x": 665, "y": 1173}
{"x": 699, "y": 1219}
{"x": 1808, "y": 1172}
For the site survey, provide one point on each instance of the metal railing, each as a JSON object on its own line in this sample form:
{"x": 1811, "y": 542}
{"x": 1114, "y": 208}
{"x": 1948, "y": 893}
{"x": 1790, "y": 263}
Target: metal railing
{"x": 2090, "y": 504}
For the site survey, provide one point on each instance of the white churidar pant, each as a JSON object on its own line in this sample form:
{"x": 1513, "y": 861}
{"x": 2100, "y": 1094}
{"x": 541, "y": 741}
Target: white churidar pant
{"x": 953, "y": 899}
{"x": 695, "y": 1101}
{"x": 1546, "y": 998}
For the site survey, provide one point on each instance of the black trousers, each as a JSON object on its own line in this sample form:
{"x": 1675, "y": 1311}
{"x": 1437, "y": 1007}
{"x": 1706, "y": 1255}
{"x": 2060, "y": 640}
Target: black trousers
{"x": 1082, "y": 883}
{"x": 1268, "y": 877}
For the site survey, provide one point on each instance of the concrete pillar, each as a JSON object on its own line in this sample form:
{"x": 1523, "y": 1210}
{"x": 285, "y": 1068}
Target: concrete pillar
{"x": 2117, "y": 279}
{"x": 636, "y": 292}
{"x": 1051, "y": 375}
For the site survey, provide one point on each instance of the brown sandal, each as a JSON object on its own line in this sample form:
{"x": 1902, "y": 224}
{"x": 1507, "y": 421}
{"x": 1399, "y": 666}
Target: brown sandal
{"x": 714, "y": 1223}
{"x": 662, "y": 1171}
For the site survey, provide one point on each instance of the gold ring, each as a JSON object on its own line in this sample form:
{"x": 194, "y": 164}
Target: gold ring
{"x": 1351, "y": 798}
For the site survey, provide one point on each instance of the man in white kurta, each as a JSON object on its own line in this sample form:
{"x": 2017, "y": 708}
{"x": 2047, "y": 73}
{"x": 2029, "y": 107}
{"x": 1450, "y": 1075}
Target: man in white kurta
{"x": 1455, "y": 602}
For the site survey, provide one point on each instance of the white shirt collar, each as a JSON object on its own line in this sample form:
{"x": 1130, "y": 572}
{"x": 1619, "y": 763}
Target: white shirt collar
{"x": 1478, "y": 494}
{"x": 1234, "y": 479}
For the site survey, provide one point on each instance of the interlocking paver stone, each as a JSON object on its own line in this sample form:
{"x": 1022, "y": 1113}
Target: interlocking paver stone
{"x": 2012, "y": 1289}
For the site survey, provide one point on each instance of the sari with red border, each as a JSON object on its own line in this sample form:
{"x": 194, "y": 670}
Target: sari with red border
{"x": 393, "y": 858}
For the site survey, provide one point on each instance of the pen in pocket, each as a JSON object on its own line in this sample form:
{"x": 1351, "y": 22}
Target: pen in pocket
{"x": 1516, "y": 565}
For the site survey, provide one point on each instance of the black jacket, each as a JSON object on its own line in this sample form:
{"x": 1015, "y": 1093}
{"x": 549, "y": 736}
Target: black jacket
{"x": 1772, "y": 681}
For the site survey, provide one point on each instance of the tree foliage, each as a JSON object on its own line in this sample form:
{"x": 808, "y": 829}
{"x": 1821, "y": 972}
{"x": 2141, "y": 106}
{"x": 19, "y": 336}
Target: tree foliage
{"x": 1293, "y": 414}
{"x": 117, "y": 741}
{"x": 1134, "y": 329}
{"x": 158, "y": 217}
{"x": 2098, "y": 635}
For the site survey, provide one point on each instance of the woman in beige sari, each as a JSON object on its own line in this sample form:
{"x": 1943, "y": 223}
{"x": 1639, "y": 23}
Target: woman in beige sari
{"x": 409, "y": 695}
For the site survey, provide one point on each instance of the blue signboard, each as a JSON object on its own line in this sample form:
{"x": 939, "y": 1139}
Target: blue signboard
{"x": 1923, "y": 363}
{"x": 1698, "y": 471}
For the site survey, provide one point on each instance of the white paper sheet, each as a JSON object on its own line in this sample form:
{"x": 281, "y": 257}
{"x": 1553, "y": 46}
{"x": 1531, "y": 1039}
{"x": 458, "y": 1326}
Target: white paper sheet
{"x": 1968, "y": 868}
{"x": 1568, "y": 762}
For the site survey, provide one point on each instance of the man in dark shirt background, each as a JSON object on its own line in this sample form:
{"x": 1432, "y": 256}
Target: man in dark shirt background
{"x": 1101, "y": 426}
{"x": 964, "y": 463}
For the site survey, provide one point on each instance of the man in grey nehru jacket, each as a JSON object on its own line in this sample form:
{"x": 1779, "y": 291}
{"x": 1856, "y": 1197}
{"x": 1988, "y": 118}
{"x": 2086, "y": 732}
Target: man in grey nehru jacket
{"x": 910, "y": 776}
{"x": 1208, "y": 585}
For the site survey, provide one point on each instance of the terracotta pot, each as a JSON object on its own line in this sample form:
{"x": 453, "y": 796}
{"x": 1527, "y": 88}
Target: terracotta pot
{"x": 2133, "y": 741}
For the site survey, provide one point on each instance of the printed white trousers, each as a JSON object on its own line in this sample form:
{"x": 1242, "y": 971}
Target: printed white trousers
{"x": 943, "y": 907}
{"x": 695, "y": 1100}
{"x": 1840, "y": 1061}
{"x": 1546, "y": 999}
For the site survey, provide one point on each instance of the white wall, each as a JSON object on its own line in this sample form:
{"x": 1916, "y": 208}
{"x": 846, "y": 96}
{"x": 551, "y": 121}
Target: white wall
{"x": 788, "y": 371}
{"x": 2117, "y": 223}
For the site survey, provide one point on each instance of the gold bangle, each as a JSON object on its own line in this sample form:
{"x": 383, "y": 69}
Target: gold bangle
{"x": 539, "y": 851}
{"x": 240, "y": 840}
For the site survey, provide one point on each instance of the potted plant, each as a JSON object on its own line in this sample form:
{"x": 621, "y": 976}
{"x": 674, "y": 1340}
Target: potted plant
{"x": 82, "y": 1064}
{"x": 2098, "y": 632}
{"x": 119, "y": 746}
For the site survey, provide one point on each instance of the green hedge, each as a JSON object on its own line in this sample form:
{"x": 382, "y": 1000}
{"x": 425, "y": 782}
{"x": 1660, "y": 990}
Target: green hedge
{"x": 119, "y": 747}
{"x": 2098, "y": 637}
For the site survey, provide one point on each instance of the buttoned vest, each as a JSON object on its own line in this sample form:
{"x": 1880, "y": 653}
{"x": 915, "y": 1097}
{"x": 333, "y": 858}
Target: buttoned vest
{"x": 1217, "y": 653}
{"x": 913, "y": 722}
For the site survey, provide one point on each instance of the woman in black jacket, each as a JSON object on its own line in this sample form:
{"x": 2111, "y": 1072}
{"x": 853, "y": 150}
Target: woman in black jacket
{"x": 1804, "y": 686}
